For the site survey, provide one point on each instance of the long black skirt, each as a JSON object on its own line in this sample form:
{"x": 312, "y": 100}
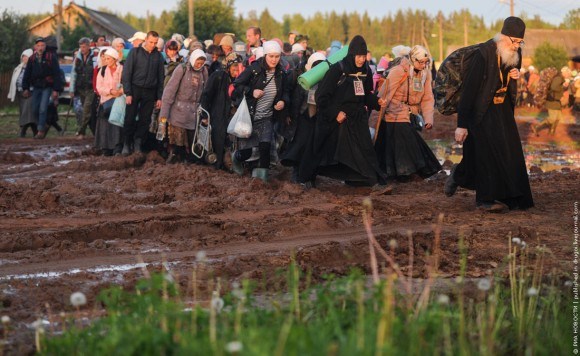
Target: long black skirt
{"x": 493, "y": 160}
{"x": 107, "y": 135}
{"x": 401, "y": 151}
{"x": 294, "y": 154}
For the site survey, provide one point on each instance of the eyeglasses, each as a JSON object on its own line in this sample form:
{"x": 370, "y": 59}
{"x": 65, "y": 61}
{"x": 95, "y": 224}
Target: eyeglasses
{"x": 521, "y": 43}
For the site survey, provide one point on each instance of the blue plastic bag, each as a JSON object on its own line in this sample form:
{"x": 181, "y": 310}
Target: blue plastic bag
{"x": 117, "y": 116}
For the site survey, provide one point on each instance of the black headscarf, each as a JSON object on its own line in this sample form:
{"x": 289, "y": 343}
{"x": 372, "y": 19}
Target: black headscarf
{"x": 356, "y": 47}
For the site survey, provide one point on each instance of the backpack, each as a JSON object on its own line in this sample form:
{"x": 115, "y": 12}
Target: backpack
{"x": 543, "y": 88}
{"x": 449, "y": 79}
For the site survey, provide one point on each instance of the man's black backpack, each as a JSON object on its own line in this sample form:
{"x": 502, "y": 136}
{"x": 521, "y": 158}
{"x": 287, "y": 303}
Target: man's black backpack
{"x": 449, "y": 79}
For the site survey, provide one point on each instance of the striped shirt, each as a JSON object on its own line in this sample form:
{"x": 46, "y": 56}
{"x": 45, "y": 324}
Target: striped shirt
{"x": 265, "y": 104}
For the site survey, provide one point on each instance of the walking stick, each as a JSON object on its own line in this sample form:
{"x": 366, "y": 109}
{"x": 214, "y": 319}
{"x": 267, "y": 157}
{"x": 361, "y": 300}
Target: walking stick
{"x": 382, "y": 111}
{"x": 383, "y": 108}
{"x": 67, "y": 114}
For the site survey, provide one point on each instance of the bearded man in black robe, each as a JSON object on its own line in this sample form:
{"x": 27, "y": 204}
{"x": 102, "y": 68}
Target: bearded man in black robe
{"x": 493, "y": 162}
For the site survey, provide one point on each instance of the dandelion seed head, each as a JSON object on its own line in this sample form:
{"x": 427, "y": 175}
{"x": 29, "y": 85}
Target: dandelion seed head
{"x": 238, "y": 293}
{"x": 367, "y": 203}
{"x": 568, "y": 284}
{"x": 5, "y": 319}
{"x": 38, "y": 325}
{"x": 234, "y": 347}
{"x": 484, "y": 284}
{"x": 443, "y": 299}
{"x": 516, "y": 240}
{"x": 78, "y": 299}
{"x": 217, "y": 303}
{"x": 393, "y": 244}
{"x": 200, "y": 256}
{"x": 236, "y": 285}
{"x": 532, "y": 292}
{"x": 523, "y": 245}
{"x": 169, "y": 278}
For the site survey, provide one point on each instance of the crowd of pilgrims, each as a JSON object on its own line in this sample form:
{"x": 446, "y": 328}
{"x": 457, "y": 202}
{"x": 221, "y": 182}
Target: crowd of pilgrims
{"x": 173, "y": 88}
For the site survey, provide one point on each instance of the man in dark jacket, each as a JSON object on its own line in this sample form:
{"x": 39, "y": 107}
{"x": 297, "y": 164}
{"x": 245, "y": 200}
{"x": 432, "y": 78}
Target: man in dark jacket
{"x": 143, "y": 84}
{"x": 82, "y": 85}
{"x": 493, "y": 162}
{"x": 41, "y": 81}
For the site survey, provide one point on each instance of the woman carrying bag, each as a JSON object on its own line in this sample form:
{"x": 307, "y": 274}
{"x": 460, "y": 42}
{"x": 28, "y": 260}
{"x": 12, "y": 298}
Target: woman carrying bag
{"x": 27, "y": 118}
{"x": 108, "y": 137}
{"x": 401, "y": 151}
{"x": 216, "y": 99}
{"x": 265, "y": 88}
{"x": 181, "y": 99}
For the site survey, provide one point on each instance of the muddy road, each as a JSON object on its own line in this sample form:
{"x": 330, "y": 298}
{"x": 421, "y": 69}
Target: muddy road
{"x": 71, "y": 220}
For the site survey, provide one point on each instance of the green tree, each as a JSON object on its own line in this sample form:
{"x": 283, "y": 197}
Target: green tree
{"x": 210, "y": 17}
{"x": 12, "y": 42}
{"x": 547, "y": 55}
{"x": 572, "y": 20}
{"x": 71, "y": 37}
{"x": 269, "y": 26}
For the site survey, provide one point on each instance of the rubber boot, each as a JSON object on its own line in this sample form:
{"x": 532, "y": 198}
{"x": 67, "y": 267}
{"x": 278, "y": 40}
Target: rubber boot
{"x": 260, "y": 173}
{"x": 137, "y": 146}
{"x": 237, "y": 166}
{"x": 126, "y": 149}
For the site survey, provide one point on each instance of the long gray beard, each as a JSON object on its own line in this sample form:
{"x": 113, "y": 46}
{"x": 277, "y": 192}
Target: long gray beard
{"x": 508, "y": 57}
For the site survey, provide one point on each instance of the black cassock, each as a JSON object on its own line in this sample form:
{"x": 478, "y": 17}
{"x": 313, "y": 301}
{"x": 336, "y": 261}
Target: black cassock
{"x": 217, "y": 102}
{"x": 493, "y": 161}
{"x": 343, "y": 151}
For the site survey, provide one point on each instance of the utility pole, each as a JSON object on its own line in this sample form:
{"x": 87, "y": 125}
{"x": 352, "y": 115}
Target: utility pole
{"x": 58, "y": 25}
{"x": 440, "y": 17}
{"x": 512, "y": 8}
{"x": 148, "y": 22}
{"x": 465, "y": 33}
{"x": 191, "y": 23}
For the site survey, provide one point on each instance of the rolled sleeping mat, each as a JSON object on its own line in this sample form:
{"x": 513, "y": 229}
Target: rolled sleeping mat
{"x": 309, "y": 79}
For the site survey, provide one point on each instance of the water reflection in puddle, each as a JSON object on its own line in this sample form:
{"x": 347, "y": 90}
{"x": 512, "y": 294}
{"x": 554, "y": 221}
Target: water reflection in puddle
{"x": 547, "y": 156}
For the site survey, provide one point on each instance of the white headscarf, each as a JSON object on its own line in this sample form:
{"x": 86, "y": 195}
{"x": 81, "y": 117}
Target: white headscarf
{"x": 195, "y": 55}
{"x": 271, "y": 47}
{"x": 27, "y": 53}
{"x": 313, "y": 58}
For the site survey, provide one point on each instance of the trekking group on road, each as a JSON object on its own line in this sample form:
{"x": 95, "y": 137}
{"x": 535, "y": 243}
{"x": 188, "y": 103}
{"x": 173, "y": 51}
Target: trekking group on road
{"x": 182, "y": 97}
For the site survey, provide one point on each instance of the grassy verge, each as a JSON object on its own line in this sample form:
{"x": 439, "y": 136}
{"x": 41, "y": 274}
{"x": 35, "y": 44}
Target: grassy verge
{"x": 10, "y": 128}
{"x": 522, "y": 312}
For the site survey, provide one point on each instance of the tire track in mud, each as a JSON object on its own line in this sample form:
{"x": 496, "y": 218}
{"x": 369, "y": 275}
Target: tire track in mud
{"x": 279, "y": 246}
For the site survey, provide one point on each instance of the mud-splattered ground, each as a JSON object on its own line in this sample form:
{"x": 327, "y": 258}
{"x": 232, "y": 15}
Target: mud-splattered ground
{"x": 73, "y": 221}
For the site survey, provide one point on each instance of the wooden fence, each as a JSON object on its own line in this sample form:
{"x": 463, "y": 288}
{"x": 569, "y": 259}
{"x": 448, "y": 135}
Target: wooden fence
{"x": 4, "y": 88}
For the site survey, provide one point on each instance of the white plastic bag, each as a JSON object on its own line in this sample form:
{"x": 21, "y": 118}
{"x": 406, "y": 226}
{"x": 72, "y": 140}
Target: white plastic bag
{"x": 241, "y": 123}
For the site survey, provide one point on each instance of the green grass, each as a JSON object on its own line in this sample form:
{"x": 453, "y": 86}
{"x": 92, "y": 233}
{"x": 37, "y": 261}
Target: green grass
{"x": 342, "y": 316}
{"x": 9, "y": 127}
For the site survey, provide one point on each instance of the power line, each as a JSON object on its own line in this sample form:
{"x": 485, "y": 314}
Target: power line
{"x": 559, "y": 15}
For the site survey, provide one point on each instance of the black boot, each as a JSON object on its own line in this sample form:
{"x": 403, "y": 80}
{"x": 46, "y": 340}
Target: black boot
{"x": 126, "y": 149}
{"x": 137, "y": 146}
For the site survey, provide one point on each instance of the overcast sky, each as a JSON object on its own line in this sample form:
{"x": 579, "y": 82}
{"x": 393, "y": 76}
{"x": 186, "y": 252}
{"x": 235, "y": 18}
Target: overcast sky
{"x": 552, "y": 11}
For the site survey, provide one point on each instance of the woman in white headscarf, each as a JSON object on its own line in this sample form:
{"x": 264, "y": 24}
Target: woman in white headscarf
{"x": 179, "y": 104}
{"x": 27, "y": 117}
{"x": 264, "y": 85}
{"x": 108, "y": 137}
{"x": 401, "y": 151}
